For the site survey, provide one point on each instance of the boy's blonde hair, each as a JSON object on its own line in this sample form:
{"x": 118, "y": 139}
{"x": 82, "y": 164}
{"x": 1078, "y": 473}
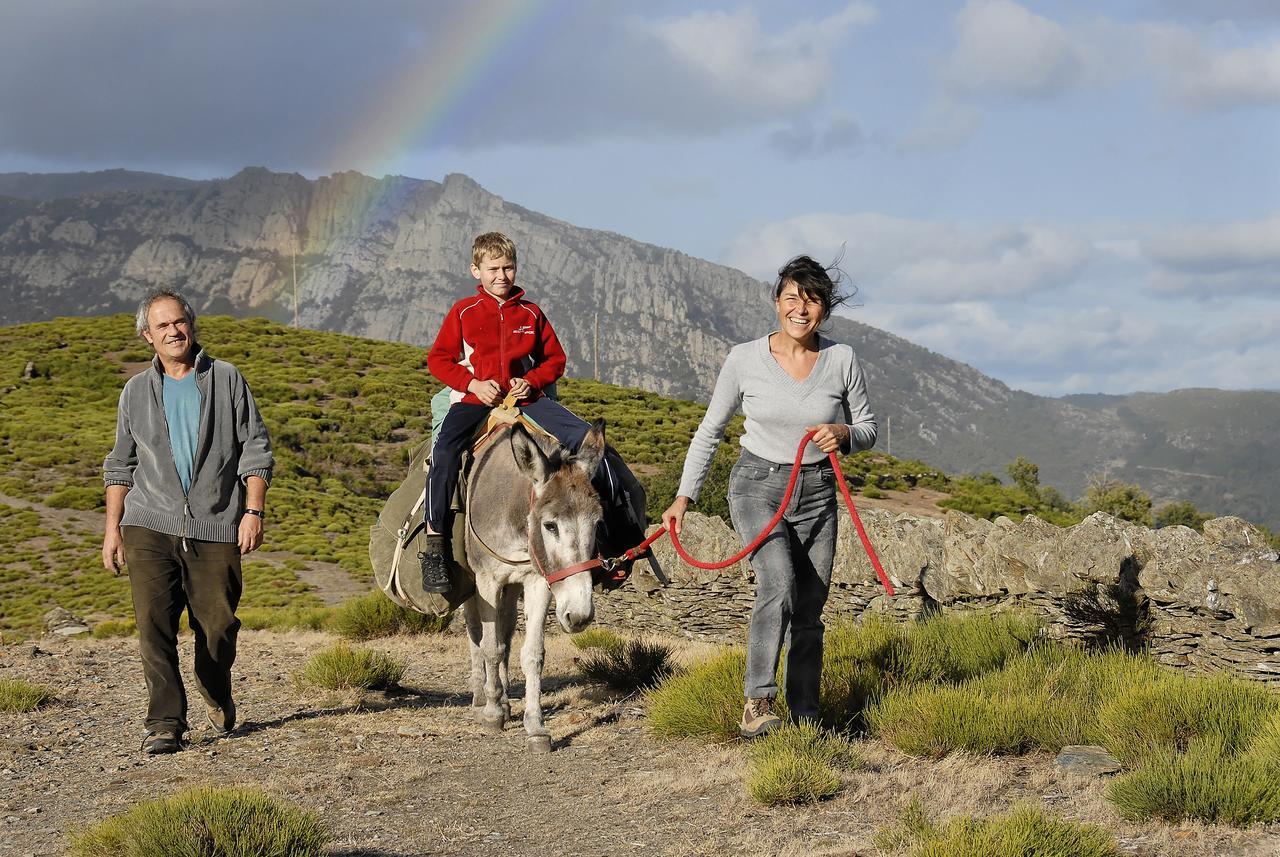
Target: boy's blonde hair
{"x": 492, "y": 245}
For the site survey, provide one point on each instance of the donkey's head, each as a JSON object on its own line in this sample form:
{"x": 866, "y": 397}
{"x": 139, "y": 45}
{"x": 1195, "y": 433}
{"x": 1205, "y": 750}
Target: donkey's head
{"x": 564, "y": 516}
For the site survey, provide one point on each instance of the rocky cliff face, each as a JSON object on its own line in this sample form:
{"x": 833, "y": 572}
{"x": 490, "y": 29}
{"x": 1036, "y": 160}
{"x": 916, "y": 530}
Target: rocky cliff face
{"x": 385, "y": 258}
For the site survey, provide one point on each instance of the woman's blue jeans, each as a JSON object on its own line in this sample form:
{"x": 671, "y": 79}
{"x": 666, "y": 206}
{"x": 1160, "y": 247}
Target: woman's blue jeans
{"x": 793, "y": 574}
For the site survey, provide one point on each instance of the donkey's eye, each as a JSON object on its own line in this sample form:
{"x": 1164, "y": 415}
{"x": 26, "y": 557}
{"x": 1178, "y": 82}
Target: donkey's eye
{"x": 550, "y": 527}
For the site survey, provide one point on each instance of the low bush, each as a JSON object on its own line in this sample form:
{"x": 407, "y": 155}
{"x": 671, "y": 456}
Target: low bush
{"x": 1025, "y": 832}
{"x": 375, "y": 615}
{"x": 798, "y": 764}
{"x": 17, "y": 695}
{"x": 597, "y": 638}
{"x": 114, "y": 628}
{"x": 704, "y": 701}
{"x": 1153, "y": 720}
{"x": 206, "y": 822}
{"x": 635, "y": 665}
{"x": 1045, "y": 698}
{"x": 1207, "y": 782}
{"x": 344, "y": 668}
{"x": 286, "y": 618}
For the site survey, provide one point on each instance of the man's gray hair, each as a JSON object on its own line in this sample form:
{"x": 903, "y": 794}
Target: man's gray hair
{"x": 140, "y": 321}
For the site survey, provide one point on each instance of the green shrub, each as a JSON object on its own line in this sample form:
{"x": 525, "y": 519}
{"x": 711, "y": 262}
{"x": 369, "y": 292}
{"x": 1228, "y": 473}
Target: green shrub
{"x": 206, "y": 822}
{"x": 636, "y": 665}
{"x": 1025, "y": 832}
{"x": 17, "y": 695}
{"x": 1045, "y": 698}
{"x": 704, "y": 701}
{"x": 1162, "y": 717}
{"x": 1119, "y": 499}
{"x": 344, "y": 668}
{"x": 1181, "y": 513}
{"x": 798, "y": 764}
{"x": 375, "y": 615}
{"x": 597, "y": 638}
{"x": 954, "y": 647}
{"x": 1207, "y": 783}
{"x": 115, "y": 628}
{"x": 855, "y": 662}
{"x": 286, "y": 618}
{"x": 871, "y": 492}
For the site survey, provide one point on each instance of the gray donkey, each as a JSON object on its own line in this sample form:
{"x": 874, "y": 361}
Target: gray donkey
{"x": 533, "y": 518}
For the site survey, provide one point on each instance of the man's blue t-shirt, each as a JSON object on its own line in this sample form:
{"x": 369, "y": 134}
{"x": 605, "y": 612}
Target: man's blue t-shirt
{"x": 182, "y": 411}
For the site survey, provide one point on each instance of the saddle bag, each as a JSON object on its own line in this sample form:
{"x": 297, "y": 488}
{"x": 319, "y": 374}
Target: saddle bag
{"x": 396, "y": 538}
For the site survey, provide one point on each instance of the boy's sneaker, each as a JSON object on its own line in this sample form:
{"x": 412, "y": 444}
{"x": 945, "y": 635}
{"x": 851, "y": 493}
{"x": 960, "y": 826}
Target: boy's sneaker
{"x": 758, "y": 718}
{"x": 160, "y": 742}
{"x": 435, "y": 568}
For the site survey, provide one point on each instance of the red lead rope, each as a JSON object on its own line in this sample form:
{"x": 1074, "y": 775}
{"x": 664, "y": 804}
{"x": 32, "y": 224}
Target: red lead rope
{"x": 768, "y": 528}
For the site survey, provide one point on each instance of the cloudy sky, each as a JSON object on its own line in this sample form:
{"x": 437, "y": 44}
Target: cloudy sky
{"x": 1070, "y": 196}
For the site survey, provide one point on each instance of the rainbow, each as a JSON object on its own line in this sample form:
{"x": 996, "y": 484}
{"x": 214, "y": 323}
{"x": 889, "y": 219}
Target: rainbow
{"x": 433, "y": 95}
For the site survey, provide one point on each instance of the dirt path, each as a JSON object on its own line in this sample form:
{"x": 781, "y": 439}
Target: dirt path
{"x": 411, "y": 774}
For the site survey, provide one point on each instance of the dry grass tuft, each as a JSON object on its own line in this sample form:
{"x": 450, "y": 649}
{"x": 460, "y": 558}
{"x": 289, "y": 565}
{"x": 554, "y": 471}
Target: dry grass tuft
{"x": 344, "y": 668}
{"x": 206, "y": 822}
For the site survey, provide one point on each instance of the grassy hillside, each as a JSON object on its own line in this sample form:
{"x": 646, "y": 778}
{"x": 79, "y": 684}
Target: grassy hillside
{"x": 345, "y": 414}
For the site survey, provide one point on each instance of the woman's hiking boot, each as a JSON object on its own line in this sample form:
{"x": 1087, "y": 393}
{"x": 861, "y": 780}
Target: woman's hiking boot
{"x": 435, "y": 566}
{"x": 758, "y": 718}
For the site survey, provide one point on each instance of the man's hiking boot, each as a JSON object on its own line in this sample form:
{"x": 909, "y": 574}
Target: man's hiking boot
{"x": 160, "y": 742}
{"x": 758, "y": 718}
{"x": 435, "y": 568}
{"x": 223, "y": 720}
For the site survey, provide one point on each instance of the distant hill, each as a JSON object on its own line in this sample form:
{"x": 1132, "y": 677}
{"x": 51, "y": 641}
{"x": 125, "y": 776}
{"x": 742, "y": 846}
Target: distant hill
{"x": 385, "y": 257}
{"x": 43, "y": 187}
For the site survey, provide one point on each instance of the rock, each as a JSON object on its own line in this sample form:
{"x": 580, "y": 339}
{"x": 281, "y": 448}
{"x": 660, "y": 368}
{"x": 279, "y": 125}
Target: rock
{"x": 1086, "y": 760}
{"x": 411, "y": 732}
{"x": 64, "y": 623}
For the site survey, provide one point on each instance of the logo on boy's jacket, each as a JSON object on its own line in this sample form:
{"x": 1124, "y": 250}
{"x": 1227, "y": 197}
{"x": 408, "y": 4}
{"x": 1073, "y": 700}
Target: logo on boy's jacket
{"x": 523, "y": 329}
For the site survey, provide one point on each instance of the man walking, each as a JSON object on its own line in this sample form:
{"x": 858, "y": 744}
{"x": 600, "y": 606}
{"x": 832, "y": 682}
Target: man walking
{"x": 186, "y": 484}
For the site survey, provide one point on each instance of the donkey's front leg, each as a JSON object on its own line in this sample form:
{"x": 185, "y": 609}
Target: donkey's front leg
{"x": 537, "y": 597}
{"x": 492, "y": 649}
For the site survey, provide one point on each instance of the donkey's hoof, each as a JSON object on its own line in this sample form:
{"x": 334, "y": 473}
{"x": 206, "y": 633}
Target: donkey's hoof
{"x": 539, "y": 744}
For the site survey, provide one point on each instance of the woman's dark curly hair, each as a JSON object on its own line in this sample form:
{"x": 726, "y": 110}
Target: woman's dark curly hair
{"x": 816, "y": 282}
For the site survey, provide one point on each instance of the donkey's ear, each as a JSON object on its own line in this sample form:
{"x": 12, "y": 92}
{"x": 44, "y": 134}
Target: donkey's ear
{"x": 592, "y": 449}
{"x": 530, "y": 458}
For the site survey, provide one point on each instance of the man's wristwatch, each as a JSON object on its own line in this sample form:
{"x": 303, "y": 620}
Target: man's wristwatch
{"x": 257, "y": 513}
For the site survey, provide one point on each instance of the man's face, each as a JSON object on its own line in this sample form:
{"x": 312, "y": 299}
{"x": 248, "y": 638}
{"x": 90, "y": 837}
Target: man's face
{"x": 497, "y": 275}
{"x": 168, "y": 329}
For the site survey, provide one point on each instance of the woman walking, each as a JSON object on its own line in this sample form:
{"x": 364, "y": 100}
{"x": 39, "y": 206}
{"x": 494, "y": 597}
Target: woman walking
{"x": 787, "y": 384}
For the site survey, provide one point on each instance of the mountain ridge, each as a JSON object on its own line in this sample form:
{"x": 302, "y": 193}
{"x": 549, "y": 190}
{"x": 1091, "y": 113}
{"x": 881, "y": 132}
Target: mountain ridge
{"x": 386, "y": 257}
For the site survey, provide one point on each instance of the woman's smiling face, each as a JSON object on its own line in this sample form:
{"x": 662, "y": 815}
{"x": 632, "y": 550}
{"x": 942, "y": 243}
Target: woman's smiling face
{"x": 798, "y": 314}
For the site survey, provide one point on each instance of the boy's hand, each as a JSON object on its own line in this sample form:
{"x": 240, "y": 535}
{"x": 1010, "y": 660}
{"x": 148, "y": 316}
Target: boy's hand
{"x": 487, "y": 392}
{"x": 521, "y": 388}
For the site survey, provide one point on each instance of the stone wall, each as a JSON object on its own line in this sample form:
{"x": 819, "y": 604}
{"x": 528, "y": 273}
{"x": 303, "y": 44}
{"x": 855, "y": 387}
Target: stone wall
{"x": 1204, "y": 602}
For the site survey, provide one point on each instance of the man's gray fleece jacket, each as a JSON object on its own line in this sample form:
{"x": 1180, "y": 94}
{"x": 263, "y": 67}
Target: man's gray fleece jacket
{"x": 231, "y": 446}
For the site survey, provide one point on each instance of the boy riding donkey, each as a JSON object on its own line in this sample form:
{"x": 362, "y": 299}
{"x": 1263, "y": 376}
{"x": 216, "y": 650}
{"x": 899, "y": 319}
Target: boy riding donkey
{"x": 491, "y": 344}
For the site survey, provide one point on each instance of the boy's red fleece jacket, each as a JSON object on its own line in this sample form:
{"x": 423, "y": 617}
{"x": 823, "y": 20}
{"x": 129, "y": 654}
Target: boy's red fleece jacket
{"x": 482, "y": 339}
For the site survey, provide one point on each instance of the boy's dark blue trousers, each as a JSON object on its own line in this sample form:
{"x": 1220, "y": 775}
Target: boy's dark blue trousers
{"x": 459, "y": 428}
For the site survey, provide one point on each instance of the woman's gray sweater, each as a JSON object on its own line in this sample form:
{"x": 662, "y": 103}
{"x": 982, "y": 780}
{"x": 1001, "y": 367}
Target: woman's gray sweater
{"x": 778, "y": 408}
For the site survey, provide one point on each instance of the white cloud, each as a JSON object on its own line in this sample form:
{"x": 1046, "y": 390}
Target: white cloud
{"x": 1003, "y": 48}
{"x": 1214, "y": 260}
{"x": 803, "y": 138}
{"x": 1215, "y": 68}
{"x": 732, "y": 53}
{"x": 1056, "y": 310}
{"x": 913, "y": 259}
